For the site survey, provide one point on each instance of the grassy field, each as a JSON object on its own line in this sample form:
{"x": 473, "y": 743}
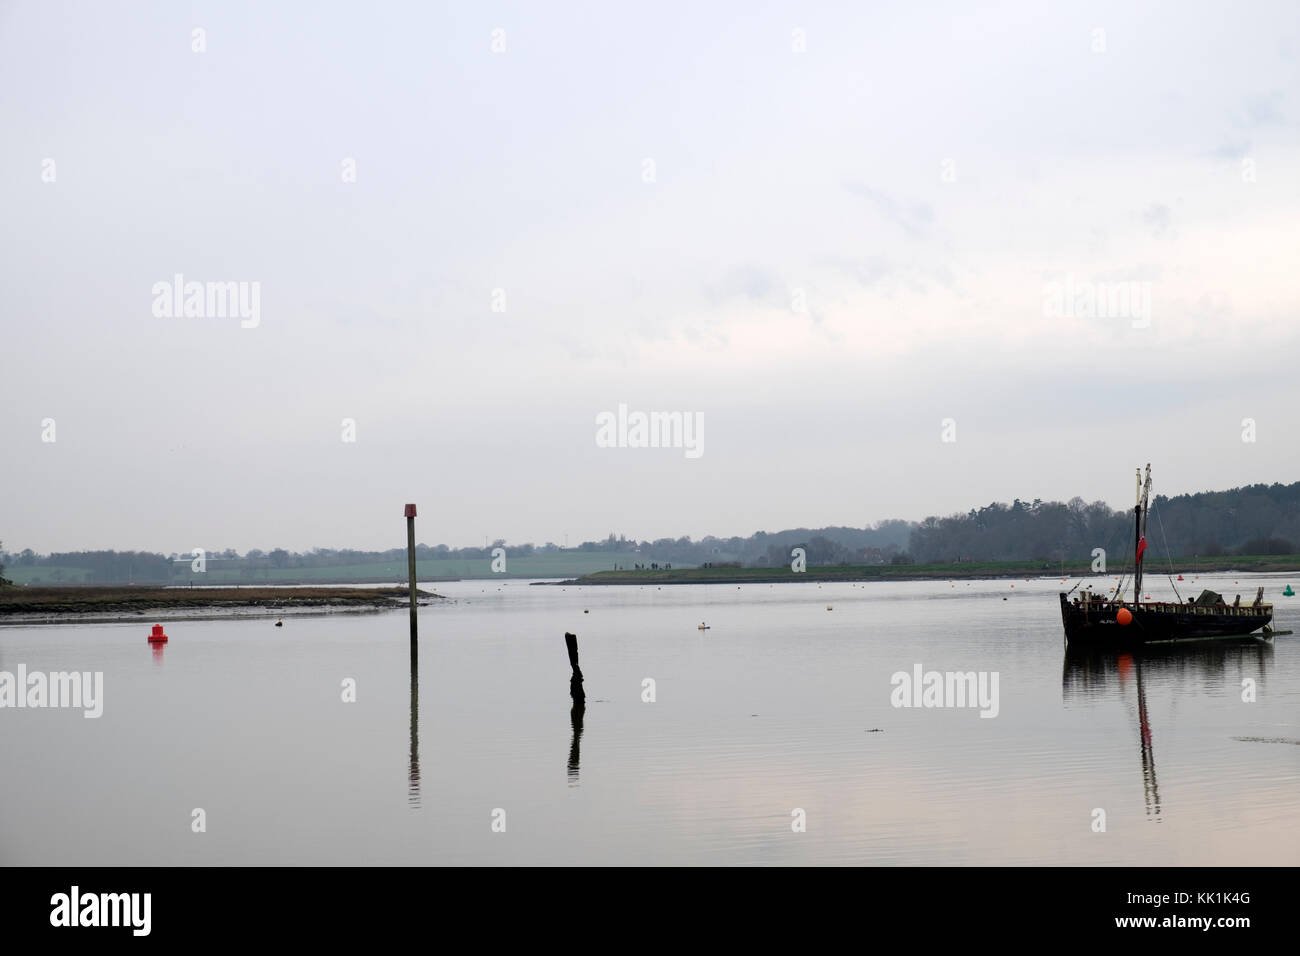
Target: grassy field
{"x": 549, "y": 565}
{"x": 537, "y": 566}
{"x": 913, "y": 572}
{"x": 595, "y": 568}
{"x": 127, "y": 600}
{"x": 35, "y": 575}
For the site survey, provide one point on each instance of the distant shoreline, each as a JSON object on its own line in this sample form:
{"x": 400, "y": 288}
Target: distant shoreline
{"x": 967, "y": 570}
{"x": 28, "y": 605}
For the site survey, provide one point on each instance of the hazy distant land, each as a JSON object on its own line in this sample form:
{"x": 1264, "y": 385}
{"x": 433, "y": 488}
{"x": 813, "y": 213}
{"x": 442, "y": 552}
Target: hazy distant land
{"x": 972, "y": 570}
{"x": 1251, "y": 528}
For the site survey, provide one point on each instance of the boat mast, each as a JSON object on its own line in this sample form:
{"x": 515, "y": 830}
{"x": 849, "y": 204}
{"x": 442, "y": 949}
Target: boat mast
{"x": 1137, "y": 538}
{"x": 1140, "y": 530}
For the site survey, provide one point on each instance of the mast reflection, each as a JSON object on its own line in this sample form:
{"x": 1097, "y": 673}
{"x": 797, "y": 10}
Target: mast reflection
{"x": 1182, "y": 668}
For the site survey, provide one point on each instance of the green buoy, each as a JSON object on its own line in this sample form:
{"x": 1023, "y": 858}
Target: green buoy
{"x": 1287, "y": 592}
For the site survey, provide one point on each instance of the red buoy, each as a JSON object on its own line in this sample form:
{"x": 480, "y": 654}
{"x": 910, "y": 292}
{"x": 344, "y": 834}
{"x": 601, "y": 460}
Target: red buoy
{"x": 157, "y": 637}
{"x": 1124, "y": 616}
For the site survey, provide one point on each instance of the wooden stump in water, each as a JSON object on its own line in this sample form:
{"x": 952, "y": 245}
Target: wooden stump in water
{"x": 575, "y": 682}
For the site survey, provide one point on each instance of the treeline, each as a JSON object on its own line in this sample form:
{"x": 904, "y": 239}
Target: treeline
{"x": 1255, "y": 520}
{"x": 95, "y": 567}
{"x": 1258, "y": 519}
{"x": 872, "y": 545}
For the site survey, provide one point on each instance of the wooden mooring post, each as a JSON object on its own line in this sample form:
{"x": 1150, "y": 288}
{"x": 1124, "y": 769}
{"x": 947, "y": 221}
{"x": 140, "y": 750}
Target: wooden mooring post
{"x": 575, "y": 681}
{"x": 410, "y": 569}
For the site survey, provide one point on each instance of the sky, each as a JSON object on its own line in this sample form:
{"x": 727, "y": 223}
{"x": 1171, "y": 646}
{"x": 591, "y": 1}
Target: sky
{"x": 873, "y": 252}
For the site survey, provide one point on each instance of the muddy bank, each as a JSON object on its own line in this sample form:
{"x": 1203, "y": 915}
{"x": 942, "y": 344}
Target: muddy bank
{"x": 23, "y": 605}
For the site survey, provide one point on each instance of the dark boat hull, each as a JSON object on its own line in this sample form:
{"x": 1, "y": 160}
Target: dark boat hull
{"x": 1095, "y": 623}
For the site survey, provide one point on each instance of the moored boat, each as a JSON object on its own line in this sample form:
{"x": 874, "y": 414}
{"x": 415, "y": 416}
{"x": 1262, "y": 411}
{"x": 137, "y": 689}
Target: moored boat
{"x": 1092, "y": 620}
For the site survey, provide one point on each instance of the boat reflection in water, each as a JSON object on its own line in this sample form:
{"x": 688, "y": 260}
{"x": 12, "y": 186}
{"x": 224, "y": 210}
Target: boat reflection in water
{"x": 1184, "y": 667}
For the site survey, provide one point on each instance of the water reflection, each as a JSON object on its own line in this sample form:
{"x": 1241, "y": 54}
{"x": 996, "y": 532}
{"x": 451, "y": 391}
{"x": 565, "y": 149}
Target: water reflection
{"x": 1183, "y": 668}
{"x": 413, "y": 766}
{"x": 1150, "y": 789}
{"x": 579, "y": 705}
{"x": 157, "y": 651}
{"x": 575, "y": 721}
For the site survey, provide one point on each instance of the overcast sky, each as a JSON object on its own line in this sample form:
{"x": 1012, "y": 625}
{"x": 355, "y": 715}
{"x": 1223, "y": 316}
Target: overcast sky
{"x": 821, "y": 228}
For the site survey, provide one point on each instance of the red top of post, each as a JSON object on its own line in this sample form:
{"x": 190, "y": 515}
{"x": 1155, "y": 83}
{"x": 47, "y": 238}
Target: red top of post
{"x": 410, "y": 511}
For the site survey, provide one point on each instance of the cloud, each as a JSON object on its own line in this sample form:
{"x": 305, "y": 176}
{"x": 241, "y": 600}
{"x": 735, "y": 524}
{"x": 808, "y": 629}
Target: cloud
{"x": 1261, "y": 109}
{"x": 1231, "y": 149}
{"x": 869, "y": 271}
{"x": 753, "y": 282}
{"x": 913, "y": 217}
{"x": 1156, "y": 217}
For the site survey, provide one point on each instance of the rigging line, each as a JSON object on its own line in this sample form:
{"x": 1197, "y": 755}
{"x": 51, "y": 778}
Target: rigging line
{"x": 1119, "y": 585}
{"x": 1165, "y": 541}
{"x": 1084, "y": 576}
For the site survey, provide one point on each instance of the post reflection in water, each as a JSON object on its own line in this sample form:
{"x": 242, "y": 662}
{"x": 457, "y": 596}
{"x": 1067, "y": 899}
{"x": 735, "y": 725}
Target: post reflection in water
{"x": 575, "y": 720}
{"x": 579, "y": 704}
{"x": 413, "y": 768}
{"x": 1093, "y": 674}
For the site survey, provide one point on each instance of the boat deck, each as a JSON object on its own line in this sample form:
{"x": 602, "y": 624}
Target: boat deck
{"x": 1172, "y": 607}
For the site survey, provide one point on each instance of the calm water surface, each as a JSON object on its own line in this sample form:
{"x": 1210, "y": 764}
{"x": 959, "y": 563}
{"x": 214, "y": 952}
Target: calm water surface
{"x": 771, "y": 709}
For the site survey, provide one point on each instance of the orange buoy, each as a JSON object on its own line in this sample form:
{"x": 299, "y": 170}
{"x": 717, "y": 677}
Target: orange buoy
{"x": 1124, "y": 616}
{"x": 157, "y": 637}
